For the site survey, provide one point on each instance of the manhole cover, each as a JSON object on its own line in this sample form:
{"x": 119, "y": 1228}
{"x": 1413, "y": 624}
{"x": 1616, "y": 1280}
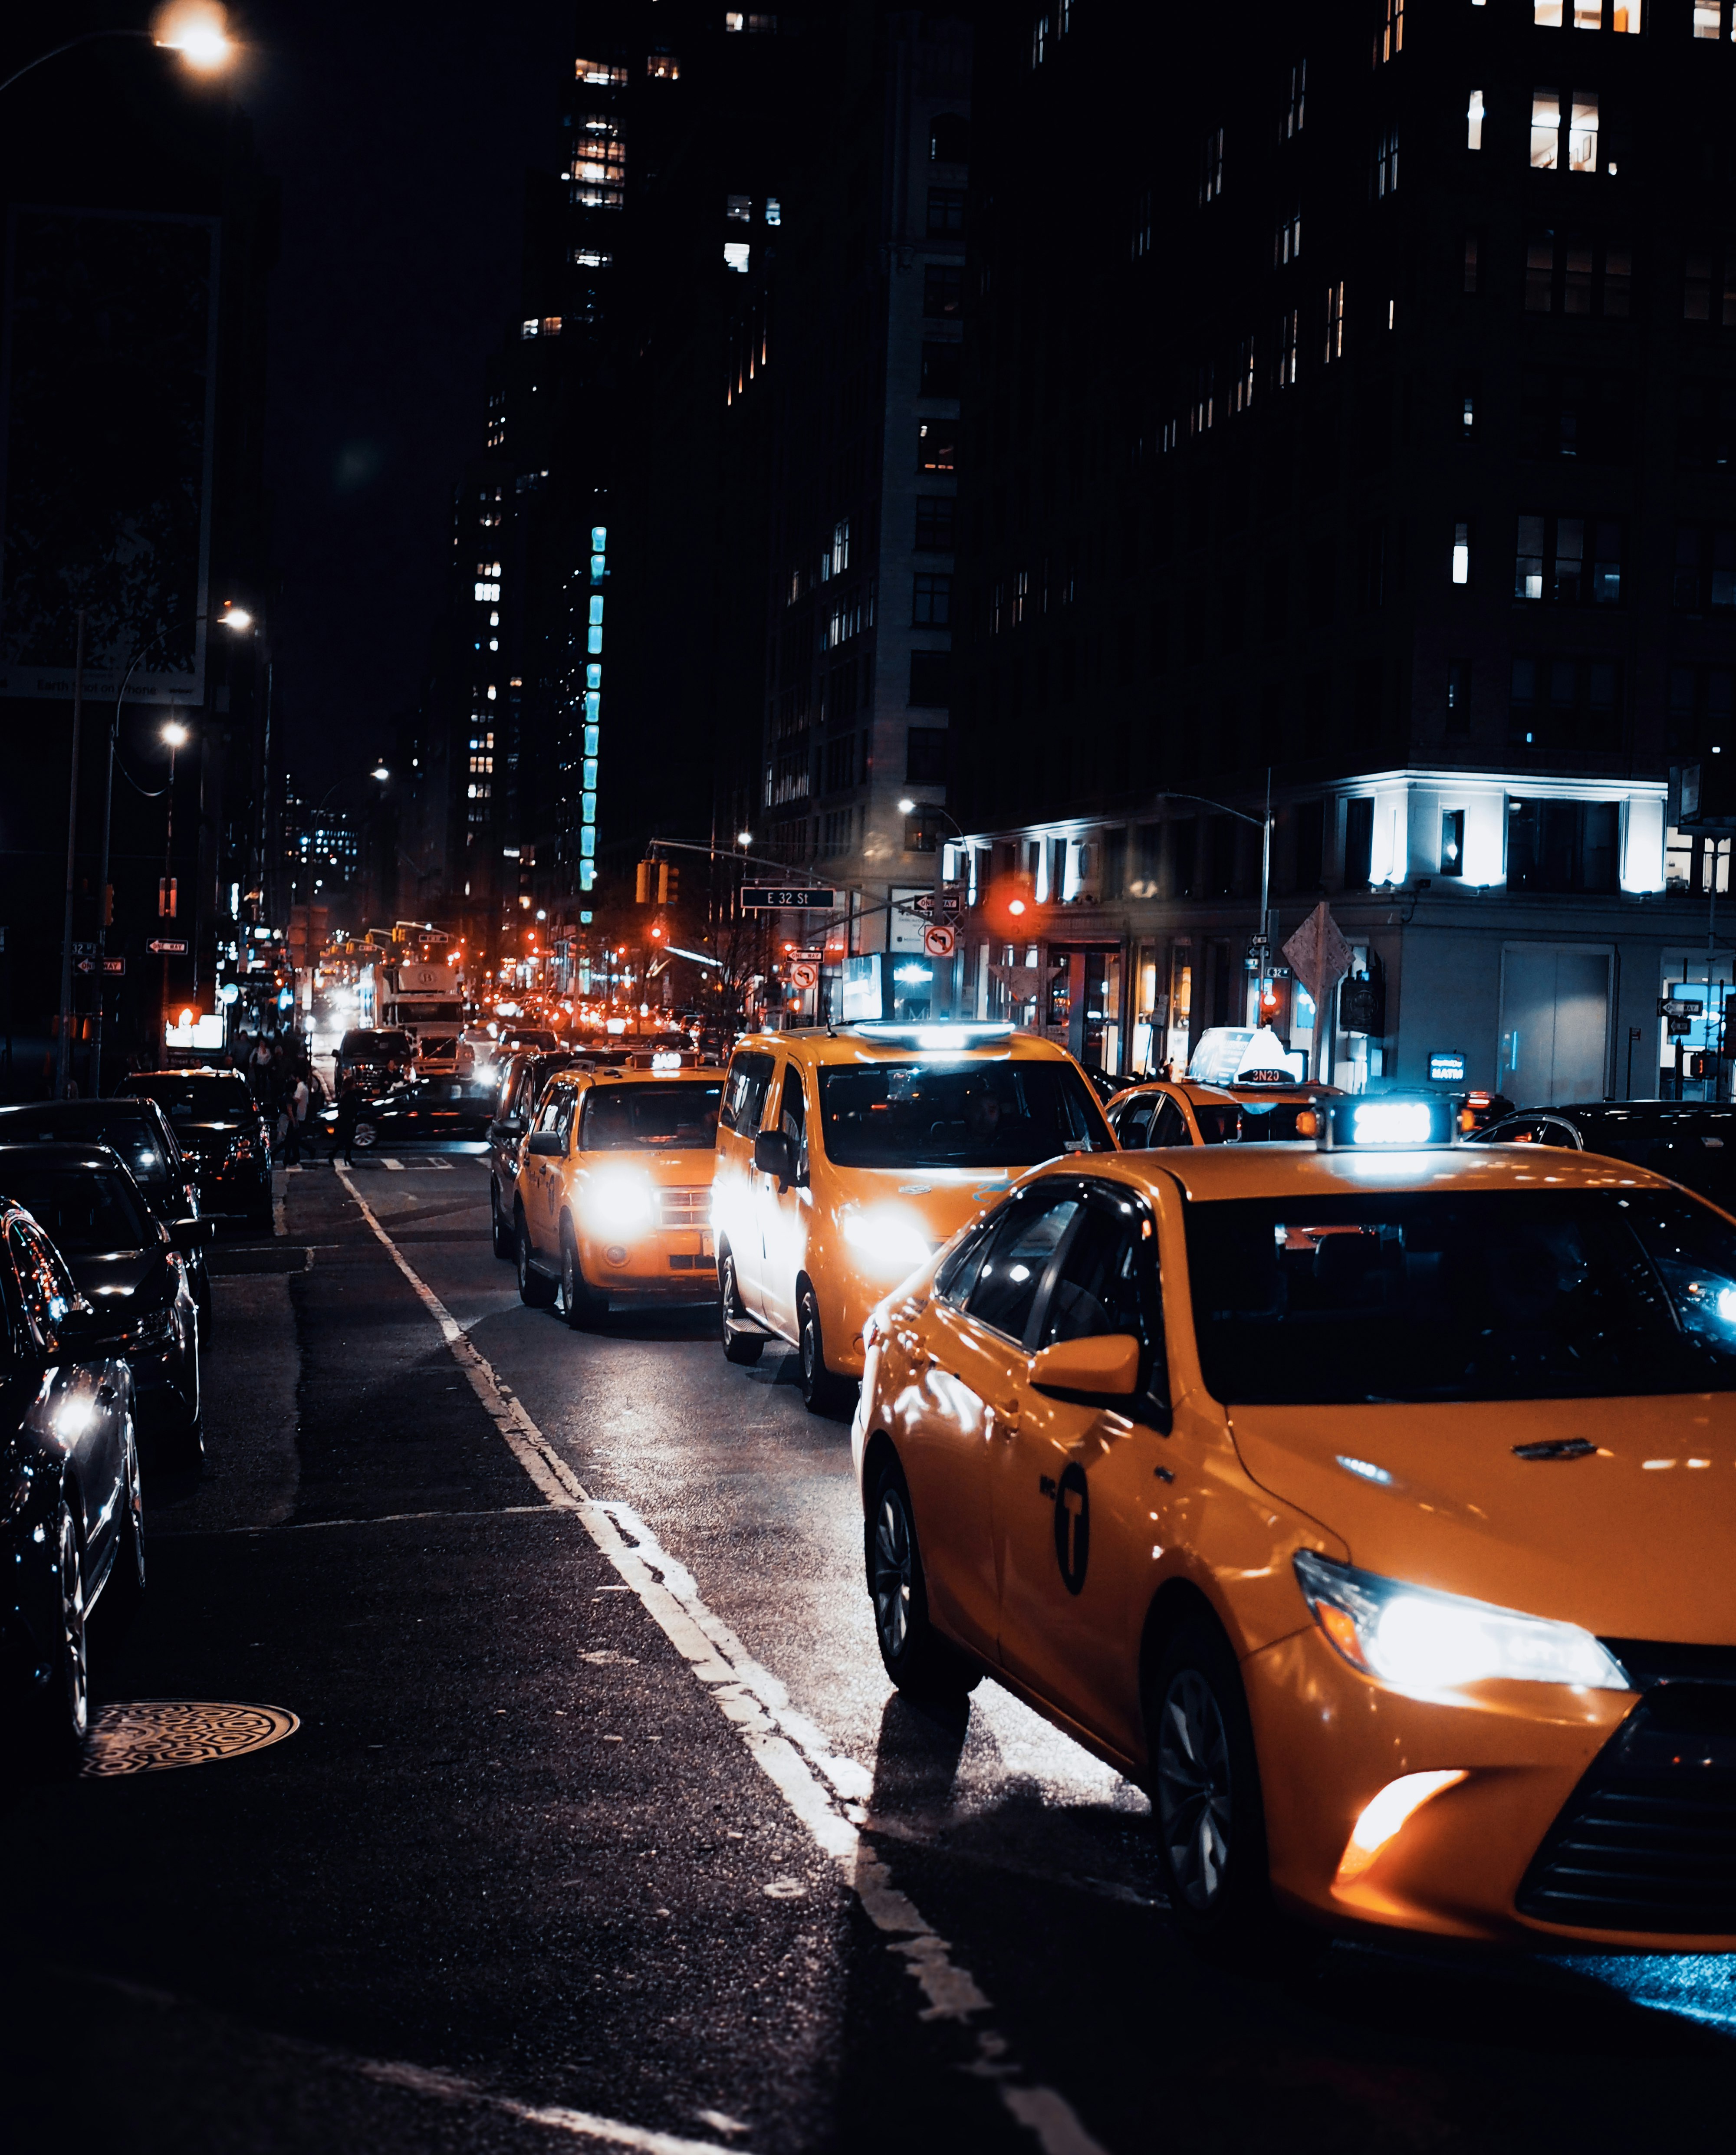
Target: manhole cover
{"x": 150, "y": 1735}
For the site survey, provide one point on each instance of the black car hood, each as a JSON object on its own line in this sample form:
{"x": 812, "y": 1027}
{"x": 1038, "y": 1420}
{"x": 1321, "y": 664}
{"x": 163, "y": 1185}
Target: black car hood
{"x": 110, "y": 1283}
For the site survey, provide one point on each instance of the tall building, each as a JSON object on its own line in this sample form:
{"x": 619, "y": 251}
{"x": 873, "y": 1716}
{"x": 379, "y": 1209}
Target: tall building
{"x": 863, "y": 475}
{"x": 1370, "y": 438}
{"x": 140, "y": 233}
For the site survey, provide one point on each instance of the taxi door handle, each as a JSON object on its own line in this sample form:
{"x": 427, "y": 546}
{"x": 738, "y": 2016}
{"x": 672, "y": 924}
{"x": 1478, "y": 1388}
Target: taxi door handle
{"x": 1006, "y": 1413}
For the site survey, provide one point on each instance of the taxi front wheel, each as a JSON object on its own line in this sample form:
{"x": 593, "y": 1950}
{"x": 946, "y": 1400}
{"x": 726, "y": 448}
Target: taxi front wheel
{"x": 920, "y": 1662}
{"x": 1206, "y": 1797}
{"x": 823, "y": 1392}
{"x": 582, "y": 1304}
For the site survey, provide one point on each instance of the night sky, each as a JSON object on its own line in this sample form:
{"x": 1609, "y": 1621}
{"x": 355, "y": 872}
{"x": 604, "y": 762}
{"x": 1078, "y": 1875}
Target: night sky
{"x": 400, "y": 137}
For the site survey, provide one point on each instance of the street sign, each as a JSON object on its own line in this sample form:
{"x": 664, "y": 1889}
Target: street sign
{"x": 84, "y": 964}
{"x": 114, "y": 965}
{"x": 1681, "y": 1006}
{"x": 84, "y": 949}
{"x": 1679, "y": 1028}
{"x": 804, "y": 975}
{"x": 952, "y": 902}
{"x": 785, "y": 897}
{"x": 939, "y": 941}
{"x": 168, "y": 946}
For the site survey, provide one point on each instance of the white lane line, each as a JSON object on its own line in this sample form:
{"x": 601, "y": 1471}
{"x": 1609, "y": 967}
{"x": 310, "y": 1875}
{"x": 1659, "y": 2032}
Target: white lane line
{"x": 309, "y": 1526}
{"x": 396, "y": 1166}
{"x": 579, "y": 2124}
{"x": 825, "y": 1789}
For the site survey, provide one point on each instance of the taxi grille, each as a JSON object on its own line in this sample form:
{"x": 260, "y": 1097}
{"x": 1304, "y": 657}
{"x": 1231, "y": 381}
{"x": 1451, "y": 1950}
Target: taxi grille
{"x": 1647, "y": 1840}
{"x": 684, "y": 1208}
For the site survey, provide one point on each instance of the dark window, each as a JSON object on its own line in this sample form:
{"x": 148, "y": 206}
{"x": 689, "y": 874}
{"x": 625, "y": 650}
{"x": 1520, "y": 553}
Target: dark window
{"x": 744, "y": 1092}
{"x": 1452, "y": 842}
{"x": 1568, "y": 561}
{"x": 1310, "y": 845}
{"x": 1114, "y": 862}
{"x": 1561, "y": 845}
{"x": 941, "y": 369}
{"x": 936, "y": 515}
{"x": 931, "y": 602}
{"x": 1316, "y": 707}
{"x": 1106, "y": 1287}
{"x": 1018, "y": 1257}
{"x": 1471, "y": 252}
{"x": 1567, "y": 413}
{"x": 1221, "y": 857}
{"x": 1458, "y": 695}
{"x": 930, "y": 673}
{"x": 950, "y": 139}
{"x": 943, "y": 291}
{"x": 923, "y": 832}
{"x": 1705, "y": 580}
{"x": 1705, "y": 425}
{"x": 946, "y": 211}
{"x": 1359, "y": 841}
{"x": 926, "y": 755}
{"x": 935, "y": 445}
{"x": 1566, "y": 702}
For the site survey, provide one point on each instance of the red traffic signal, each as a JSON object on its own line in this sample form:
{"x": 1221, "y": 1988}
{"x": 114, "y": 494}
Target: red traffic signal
{"x": 1009, "y": 908}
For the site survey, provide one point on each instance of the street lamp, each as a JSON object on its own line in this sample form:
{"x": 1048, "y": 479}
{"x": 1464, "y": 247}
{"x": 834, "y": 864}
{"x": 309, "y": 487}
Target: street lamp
{"x": 197, "y": 29}
{"x": 233, "y": 617}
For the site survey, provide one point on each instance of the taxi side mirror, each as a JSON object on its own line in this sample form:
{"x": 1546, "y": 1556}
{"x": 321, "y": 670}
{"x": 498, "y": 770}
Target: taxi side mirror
{"x": 545, "y": 1144}
{"x": 775, "y": 1155}
{"x": 1104, "y": 1371}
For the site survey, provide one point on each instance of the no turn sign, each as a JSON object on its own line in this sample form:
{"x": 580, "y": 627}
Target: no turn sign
{"x": 804, "y": 975}
{"x": 940, "y": 941}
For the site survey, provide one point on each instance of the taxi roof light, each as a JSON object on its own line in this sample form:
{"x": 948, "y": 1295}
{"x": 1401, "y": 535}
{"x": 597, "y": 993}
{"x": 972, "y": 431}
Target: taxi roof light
{"x": 949, "y": 1033}
{"x": 1385, "y": 1122}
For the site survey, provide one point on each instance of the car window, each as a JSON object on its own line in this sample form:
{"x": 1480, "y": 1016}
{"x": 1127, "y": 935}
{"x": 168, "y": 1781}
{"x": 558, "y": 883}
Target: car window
{"x": 88, "y": 1212}
{"x": 1107, "y": 1283}
{"x": 978, "y": 1113}
{"x": 1485, "y": 1295}
{"x": 1027, "y": 1231}
{"x": 1275, "y": 1121}
{"x": 957, "y": 1274}
{"x": 650, "y": 1117}
{"x": 792, "y": 1118}
{"x": 745, "y": 1092}
{"x": 1169, "y": 1126}
{"x": 1134, "y": 1121}
{"x": 549, "y": 1115}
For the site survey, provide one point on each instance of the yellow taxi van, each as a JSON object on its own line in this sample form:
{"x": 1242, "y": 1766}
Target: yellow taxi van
{"x": 846, "y": 1157}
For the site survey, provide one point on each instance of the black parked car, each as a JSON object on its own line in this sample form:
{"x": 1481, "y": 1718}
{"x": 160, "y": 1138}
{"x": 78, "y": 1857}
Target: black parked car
{"x": 72, "y": 1520}
{"x": 138, "y": 1130}
{"x": 1693, "y": 1142}
{"x": 131, "y": 1270}
{"x": 223, "y": 1133}
{"x": 374, "y": 1057}
{"x": 430, "y": 1107}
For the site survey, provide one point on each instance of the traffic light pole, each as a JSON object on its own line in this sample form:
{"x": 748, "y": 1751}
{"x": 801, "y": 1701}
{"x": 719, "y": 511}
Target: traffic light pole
{"x": 64, "y": 1054}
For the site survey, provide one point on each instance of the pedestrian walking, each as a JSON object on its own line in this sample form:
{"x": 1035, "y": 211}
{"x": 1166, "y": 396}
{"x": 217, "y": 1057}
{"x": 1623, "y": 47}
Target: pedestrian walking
{"x": 295, "y": 1105}
{"x": 258, "y": 1067}
{"x": 349, "y": 1112}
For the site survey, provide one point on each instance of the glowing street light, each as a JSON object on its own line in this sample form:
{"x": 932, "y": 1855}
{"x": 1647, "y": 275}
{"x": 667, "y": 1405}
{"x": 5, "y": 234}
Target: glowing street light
{"x": 175, "y": 734}
{"x": 380, "y": 772}
{"x": 234, "y": 616}
{"x": 744, "y": 837}
{"x": 199, "y": 30}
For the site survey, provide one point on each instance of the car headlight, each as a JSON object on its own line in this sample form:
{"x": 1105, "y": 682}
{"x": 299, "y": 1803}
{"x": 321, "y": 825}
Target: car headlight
{"x": 888, "y": 1241}
{"x": 1424, "y": 1643}
{"x": 621, "y": 1201}
{"x": 151, "y": 1329}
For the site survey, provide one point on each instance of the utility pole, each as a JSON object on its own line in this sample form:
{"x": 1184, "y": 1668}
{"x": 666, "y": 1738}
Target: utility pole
{"x": 63, "y": 1046}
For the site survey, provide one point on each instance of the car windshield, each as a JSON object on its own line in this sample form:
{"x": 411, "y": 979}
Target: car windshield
{"x": 111, "y": 1123}
{"x": 974, "y": 1114}
{"x": 1489, "y": 1295}
{"x": 1273, "y": 1122}
{"x": 82, "y": 1211}
{"x": 377, "y": 1047}
{"x": 198, "y": 1099}
{"x": 651, "y": 1119}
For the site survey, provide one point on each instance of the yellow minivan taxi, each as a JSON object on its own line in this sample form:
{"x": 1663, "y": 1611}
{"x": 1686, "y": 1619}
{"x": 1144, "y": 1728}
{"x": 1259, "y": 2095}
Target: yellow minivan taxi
{"x": 613, "y": 1194}
{"x": 1371, "y": 1507}
{"x": 845, "y": 1158}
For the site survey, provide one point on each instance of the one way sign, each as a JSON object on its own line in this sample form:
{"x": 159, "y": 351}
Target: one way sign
{"x": 168, "y": 946}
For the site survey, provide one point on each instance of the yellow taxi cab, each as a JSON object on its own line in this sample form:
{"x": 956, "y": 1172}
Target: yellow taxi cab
{"x": 1369, "y": 1505}
{"x": 846, "y": 1157}
{"x": 613, "y": 1192}
{"x": 1187, "y": 1111}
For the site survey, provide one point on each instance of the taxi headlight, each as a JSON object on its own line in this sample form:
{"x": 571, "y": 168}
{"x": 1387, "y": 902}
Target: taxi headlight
{"x": 889, "y": 1241}
{"x": 621, "y": 1201}
{"x": 1424, "y": 1643}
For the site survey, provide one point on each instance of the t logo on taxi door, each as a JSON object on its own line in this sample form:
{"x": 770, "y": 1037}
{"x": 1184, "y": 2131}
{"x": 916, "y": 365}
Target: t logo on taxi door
{"x": 1072, "y": 1527}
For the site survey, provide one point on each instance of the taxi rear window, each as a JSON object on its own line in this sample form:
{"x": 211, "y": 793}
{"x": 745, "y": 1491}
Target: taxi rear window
{"x": 958, "y": 1114}
{"x": 1485, "y": 1295}
{"x": 651, "y": 1118}
{"x": 1273, "y": 1122}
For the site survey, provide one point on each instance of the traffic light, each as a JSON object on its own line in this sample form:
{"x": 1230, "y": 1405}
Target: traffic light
{"x": 668, "y": 883}
{"x": 1010, "y": 910}
{"x": 641, "y": 882}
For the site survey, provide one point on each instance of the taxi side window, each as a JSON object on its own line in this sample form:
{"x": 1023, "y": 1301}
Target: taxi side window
{"x": 1108, "y": 1283}
{"x": 566, "y": 1107}
{"x": 957, "y": 1274}
{"x": 792, "y": 1118}
{"x": 1169, "y": 1126}
{"x": 549, "y": 1117}
{"x": 744, "y": 1095}
{"x": 1135, "y": 1121}
{"x": 1026, "y": 1232}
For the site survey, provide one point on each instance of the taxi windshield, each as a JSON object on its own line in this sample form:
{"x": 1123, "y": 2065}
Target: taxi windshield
{"x": 1000, "y": 1113}
{"x": 651, "y": 1118}
{"x": 1487, "y": 1295}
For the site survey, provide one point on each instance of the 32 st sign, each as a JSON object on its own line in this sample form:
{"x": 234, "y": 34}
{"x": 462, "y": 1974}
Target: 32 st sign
{"x": 780, "y": 898}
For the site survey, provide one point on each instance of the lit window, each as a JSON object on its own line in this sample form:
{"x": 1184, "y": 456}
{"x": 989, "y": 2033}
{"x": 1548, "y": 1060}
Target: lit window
{"x": 936, "y": 444}
{"x": 1386, "y": 164}
{"x": 736, "y": 252}
{"x": 1462, "y": 552}
{"x": 488, "y": 593}
{"x": 1582, "y": 132}
{"x": 1588, "y": 14}
{"x": 663, "y": 67}
{"x": 1545, "y": 129}
{"x": 551, "y": 325}
{"x": 1295, "y": 111}
{"x": 755, "y": 25}
{"x": 1039, "y": 38}
{"x": 1288, "y": 327}
{"x": 1287, "y": 243}
{"x": 1626, "y": 18}
{"x": 1706, "y": 18}
{"x": 531, "y": 329}
{"x": 774, "y": 210}
{"x": 740, "y": 208}
{"x": 1211, "y": 166}
{"x": 841, "y": 547}
{"x": 603, "y": 73}
{"x": 1243, "y": 394}
{"x": 1390, "y": 39}
{"x": 1546, "y": 14}
{"x": 1528, "y": 565}
{"x": 1473, "y": 122}
{"x": 1334, "y": 322}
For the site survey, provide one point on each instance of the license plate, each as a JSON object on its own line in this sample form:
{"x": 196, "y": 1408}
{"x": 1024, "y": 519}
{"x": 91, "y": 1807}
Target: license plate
{"x": 705, "y": 1244}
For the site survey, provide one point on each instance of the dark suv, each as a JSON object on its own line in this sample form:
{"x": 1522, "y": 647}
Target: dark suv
{"x": 219, "y": 1127}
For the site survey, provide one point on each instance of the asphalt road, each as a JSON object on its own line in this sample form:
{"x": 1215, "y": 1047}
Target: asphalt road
{"x": 602, "y": 1825}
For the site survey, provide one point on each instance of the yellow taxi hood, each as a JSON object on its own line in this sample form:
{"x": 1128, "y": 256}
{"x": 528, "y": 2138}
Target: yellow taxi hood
{"x": 683, "y": 1168}
{"x": 941, "y": 1198}
{"x": 1630, "y": 1540}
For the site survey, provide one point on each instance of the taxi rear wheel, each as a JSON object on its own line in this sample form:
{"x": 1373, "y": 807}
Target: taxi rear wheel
{"x": 920, "y": 1662}
{"x": 1205, "y": 1796}
{"x": 743, "y": 1348}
